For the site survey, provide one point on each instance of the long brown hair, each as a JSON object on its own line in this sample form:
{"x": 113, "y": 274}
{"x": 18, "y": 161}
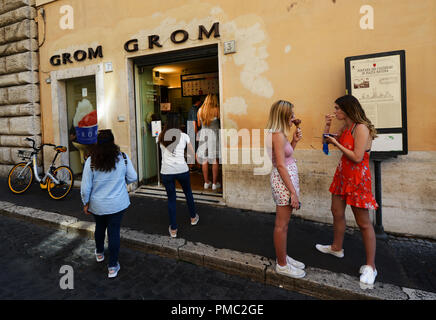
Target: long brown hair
{"x": 171, "y": 132}
{"x": 209, "y": 109}
{"x": 352, "y": 108}
{"x": 104, "y": 154}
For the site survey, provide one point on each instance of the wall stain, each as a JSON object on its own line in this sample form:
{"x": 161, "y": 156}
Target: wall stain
{"x": 293, "y": 4}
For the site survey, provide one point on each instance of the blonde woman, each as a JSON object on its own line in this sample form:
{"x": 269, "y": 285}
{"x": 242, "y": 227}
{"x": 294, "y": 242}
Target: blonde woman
{"x": 352, "y": 181}
{"x": 208, "y": 150}
{"x": 284, "y": 182}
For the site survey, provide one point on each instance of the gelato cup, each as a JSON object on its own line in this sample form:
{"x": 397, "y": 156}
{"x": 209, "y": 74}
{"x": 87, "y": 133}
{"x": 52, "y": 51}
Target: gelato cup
{"x": 87, "y": 135}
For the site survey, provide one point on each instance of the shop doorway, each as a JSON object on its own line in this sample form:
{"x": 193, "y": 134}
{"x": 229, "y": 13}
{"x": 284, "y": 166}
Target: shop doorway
{"x": 81, "y": 100}
{"x": 170, "y": 89}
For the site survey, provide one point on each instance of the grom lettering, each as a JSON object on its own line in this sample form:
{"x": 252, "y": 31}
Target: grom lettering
{"x": 177, "y": 36}
{"x": 78, "y": 55}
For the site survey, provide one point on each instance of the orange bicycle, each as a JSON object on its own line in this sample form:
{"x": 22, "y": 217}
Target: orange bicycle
{"x": 57, "y": 180}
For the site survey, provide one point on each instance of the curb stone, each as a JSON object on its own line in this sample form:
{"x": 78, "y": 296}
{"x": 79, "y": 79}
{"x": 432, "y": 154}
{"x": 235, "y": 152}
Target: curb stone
{"x": 51, "y": 219}
{"x": 152, "y": 244}
{"x": 322, "y": 284}
{"x": 242, "y": 264}
{"x": 415, "y": 294}
{"x": 329, "y": 285}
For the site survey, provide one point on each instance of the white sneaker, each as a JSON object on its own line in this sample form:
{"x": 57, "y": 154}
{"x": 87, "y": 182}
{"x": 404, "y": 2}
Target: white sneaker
{"x": 207, "y": 185}
{"x": 295, "y": 263}
{"x": 173, "y": 233}
{"x": 290, "y": 271}
{"x": 195, "y": 220}
{"x": 368, "y": 274}
{"x": 99, "y": 256}
{"x": 113, "y": 271}
{"x": 328, "y": 249}
{"x": 216, "y": 186}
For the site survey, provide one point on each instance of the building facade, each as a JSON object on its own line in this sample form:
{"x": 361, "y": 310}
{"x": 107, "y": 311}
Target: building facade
{"x": 19, "y": 80}
{"x": 123, "y": 64}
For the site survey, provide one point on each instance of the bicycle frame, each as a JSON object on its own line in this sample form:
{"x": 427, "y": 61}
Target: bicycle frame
{"x": 33, "y": 166}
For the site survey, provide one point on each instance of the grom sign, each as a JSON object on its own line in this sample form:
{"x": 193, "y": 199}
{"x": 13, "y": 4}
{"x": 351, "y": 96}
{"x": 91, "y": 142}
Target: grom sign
{"x": 177, "y": 36}
{"x": 78, "y": 55}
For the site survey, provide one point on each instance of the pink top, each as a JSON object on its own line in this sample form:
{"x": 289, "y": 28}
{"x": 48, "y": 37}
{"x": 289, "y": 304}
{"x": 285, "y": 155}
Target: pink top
{"x": 289, "y": 151}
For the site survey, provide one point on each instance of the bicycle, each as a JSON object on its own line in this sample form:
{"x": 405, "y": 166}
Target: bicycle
{"x": 57, "y": 180}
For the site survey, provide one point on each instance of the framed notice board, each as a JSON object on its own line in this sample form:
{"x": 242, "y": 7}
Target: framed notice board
{"x": 199, "y": 84}
{"x": 378, "y": 81}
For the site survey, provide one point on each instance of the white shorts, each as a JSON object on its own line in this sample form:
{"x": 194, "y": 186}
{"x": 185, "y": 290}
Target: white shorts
{"x": 208, "y": 145}
{"x": 280, "y": 193}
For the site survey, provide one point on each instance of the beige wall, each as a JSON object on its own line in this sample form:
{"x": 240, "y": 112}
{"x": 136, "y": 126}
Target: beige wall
{"x": 285, "y": 50}
{"x": 41, "y": 2}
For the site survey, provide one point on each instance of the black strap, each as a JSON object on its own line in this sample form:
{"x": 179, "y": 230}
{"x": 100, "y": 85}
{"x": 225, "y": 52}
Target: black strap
{"x": 125, "y": 158}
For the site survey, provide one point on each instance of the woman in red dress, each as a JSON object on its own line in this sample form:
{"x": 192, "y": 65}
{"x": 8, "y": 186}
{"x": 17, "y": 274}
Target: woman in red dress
{"x": 352, "y": 181}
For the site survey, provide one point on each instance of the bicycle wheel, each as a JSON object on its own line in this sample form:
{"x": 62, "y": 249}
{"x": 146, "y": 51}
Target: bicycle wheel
{"x": 66, "y": 180}
{"x": 20, "y": 178}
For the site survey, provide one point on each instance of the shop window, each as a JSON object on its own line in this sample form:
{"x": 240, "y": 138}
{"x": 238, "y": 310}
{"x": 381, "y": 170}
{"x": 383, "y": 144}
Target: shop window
{"x": 82, "y": 119}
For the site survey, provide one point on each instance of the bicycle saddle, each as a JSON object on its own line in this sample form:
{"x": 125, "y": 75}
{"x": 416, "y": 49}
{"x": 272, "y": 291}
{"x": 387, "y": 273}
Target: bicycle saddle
{"x": 61, "y": 148}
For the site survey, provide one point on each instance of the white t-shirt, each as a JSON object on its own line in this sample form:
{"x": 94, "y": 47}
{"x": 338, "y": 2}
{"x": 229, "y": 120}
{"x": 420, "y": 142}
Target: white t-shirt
{"x": 174, "y": 162}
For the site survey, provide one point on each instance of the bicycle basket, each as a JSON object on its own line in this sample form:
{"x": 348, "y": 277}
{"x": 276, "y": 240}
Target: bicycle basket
{"x": 24, "y": 154}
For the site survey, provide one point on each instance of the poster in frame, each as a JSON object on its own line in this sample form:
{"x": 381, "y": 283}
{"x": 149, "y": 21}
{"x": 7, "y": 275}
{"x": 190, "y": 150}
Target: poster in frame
{"x": 378, "y": 81}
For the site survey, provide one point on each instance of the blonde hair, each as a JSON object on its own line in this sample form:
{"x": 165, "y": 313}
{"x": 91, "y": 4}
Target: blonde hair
{"x": 279, "y": 116}
{"x": 209, "y": 109}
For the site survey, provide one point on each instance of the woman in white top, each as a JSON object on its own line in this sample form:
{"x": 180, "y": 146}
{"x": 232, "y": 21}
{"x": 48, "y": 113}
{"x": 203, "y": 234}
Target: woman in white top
{"x": 173, "y": 143}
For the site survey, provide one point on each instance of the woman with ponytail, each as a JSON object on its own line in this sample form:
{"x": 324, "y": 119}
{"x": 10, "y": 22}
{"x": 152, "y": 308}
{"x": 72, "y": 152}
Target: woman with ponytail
{"x": 352, "y": 181}
{"x": 173, "y": 143}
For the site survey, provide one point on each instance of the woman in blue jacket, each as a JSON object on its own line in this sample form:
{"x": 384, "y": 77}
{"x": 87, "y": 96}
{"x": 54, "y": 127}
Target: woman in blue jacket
{"x": 104, "y": 194}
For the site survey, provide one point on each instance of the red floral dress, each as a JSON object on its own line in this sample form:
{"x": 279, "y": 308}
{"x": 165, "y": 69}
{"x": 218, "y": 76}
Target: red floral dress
{"x": 352, "y": 181}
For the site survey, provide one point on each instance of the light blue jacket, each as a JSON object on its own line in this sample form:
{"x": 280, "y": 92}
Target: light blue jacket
{"x": 106, "y": 192}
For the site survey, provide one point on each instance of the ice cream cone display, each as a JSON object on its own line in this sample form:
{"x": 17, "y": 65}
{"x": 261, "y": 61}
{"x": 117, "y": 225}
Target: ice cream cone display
{"x": 85, "y": 122}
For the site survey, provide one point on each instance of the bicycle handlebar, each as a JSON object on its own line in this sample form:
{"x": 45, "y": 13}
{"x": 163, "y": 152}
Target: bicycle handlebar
{"x": 40, "y": 147}
{"x": 33, "y": 143}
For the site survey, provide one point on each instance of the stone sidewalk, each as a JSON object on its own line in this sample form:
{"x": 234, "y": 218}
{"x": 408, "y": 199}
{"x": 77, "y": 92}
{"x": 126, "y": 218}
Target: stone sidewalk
{"x": 318, "y": 283}
{"x": 33, "y": 256}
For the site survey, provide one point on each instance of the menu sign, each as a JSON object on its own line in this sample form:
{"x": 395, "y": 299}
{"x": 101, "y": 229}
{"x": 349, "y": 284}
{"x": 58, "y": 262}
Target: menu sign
{"x": 378, "y": 82}
{"x": 199, "y": 84}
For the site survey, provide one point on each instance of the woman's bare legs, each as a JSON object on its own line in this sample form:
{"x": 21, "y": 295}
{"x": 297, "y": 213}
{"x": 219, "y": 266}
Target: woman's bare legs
{"x": 368, "y": 235}
{"x": 339, "y": 225}
{"x": 205, "y": 169}
{"x": 283, "y": 215}
{"x": 214, "y": 172}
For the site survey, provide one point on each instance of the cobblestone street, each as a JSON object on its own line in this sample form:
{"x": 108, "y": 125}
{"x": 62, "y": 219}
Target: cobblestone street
{"x": 32, "y": 255}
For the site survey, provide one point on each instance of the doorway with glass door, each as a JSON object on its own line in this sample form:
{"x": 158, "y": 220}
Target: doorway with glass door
{"x": 82, "y": 120}
{"x": 176, "y": 89}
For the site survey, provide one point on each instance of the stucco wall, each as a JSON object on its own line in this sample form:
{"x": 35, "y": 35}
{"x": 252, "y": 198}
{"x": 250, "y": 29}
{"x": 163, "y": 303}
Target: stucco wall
{"x": 408, "y": 188}
{"x": 291, "y": 50}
